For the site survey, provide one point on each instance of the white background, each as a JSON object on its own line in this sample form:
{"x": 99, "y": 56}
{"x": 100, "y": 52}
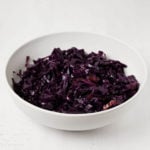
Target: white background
{"x": 23, "y": 20}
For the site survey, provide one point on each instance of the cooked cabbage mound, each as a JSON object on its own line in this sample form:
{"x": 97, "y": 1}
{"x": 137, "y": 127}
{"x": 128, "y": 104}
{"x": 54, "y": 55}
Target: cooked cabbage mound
{"x": 72, "y": 81}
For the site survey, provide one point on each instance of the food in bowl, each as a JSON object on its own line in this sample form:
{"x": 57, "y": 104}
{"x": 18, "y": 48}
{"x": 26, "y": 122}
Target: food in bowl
{"x": 72, "y": 81}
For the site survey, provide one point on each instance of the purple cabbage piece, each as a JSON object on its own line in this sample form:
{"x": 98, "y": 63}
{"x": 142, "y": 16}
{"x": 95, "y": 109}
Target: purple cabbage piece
{"x": 72, "y": 81}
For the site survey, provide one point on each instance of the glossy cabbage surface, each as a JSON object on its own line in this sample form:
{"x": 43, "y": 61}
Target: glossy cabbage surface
{"x": 72, "y": 81}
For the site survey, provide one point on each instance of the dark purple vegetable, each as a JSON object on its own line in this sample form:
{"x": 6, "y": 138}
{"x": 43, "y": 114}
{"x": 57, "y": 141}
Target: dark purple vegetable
{"x": 71, "y": 81}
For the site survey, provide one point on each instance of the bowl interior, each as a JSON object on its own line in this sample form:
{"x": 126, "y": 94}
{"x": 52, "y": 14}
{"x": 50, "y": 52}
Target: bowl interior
{"x": 90, "y": 42}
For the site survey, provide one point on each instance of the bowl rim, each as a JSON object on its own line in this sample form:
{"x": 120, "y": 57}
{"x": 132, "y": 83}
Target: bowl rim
{"x": 68, "y": 114}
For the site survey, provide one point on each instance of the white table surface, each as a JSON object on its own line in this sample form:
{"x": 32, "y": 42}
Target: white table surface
{"x": 23, "y": 20}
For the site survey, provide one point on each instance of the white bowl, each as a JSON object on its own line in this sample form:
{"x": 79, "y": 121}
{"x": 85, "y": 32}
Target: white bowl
{"x": 43, "y": 46}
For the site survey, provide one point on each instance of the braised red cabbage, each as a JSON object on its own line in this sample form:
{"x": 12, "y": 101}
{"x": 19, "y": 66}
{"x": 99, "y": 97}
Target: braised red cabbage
{"x": 72, "y": 81}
